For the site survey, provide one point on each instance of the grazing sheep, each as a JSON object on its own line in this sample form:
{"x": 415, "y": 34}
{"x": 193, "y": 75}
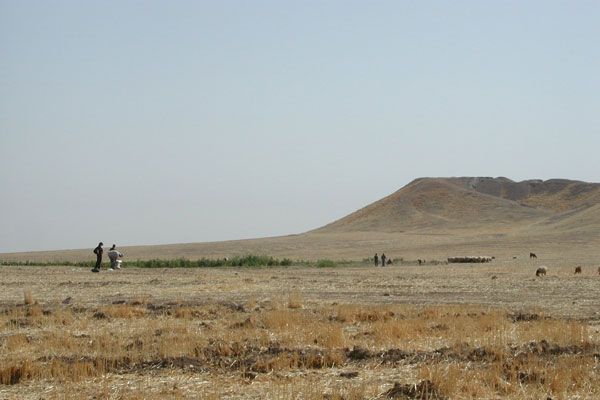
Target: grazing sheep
{"x": 532, "y": 255}
{"x": 469, "y": 259}
{"x": 541, "y": 271}
{"x": 577, "y": 270}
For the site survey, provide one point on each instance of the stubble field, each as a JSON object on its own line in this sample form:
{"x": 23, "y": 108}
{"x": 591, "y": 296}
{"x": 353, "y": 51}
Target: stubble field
{"x": 403, "y": 331}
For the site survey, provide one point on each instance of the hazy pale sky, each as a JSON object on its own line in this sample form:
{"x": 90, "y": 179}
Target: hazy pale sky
{"x": 145, "y": 122}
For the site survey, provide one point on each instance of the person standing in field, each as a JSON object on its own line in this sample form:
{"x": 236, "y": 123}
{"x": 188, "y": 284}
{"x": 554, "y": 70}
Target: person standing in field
{"x": 376, "y": 260}
{"x": 98, "y": 252}
{"x": 113, "y": 256}
{"x": 383, "y": 257}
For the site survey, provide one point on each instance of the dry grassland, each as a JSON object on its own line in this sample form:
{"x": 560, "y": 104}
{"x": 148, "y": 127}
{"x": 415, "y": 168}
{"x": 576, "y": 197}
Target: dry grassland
{"x": 435, "y": 332}
{"x": 576, "y": 246}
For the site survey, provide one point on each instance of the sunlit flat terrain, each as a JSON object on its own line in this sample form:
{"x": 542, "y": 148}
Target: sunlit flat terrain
{"x": 454, "y": 331}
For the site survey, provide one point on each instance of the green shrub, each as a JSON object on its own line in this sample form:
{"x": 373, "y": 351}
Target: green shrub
{"x": 237, "y": 261}
{"x": 326, "y": 264}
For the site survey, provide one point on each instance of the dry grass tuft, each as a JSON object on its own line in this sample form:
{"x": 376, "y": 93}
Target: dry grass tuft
{"x": 27, "y": 297}
{"x": 125, "y": 311}
{"x": 294, "y": 300}
{"x": 11, "y": 375}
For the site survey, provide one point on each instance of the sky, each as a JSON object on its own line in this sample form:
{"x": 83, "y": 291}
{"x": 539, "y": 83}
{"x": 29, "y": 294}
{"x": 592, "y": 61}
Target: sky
{"x": 147, "y": 122}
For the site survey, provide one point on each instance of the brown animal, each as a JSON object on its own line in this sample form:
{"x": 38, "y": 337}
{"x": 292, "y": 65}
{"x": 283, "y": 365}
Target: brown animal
{"x": 532, "y": 255}
{"x": 577, "y": 270}
{"x": 598, "y": 270}
{"x": 541, "y": 271}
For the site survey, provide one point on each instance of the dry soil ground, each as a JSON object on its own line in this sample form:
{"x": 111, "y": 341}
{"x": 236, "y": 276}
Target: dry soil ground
{"x": 445, "y": 331}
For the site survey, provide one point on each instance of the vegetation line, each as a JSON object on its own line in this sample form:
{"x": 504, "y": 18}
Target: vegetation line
{"x": 238, "y": 261}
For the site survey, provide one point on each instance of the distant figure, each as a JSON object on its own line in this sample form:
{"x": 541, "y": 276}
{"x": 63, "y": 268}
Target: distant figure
{"x": 376, "y": 260}
{"x": 383, "y": 258}
{"x": 541, "y": 271}
{"x": 532, "y": 255}
{"x": 98, "y": 252}
{"x": 389, "y": 261}
{"x": 420, "y": 261}
{"x": 113, "y": 256}
{"x": 577, "y": 270}
{"x": 514, "y": 257}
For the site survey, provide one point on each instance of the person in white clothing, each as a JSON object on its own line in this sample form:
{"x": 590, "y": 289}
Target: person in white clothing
{"x": 113, "y": 256}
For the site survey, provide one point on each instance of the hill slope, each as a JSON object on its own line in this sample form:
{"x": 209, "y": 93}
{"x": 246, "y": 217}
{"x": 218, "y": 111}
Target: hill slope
{"x": 429, "y": 217}
{"x": 488, "y": 204}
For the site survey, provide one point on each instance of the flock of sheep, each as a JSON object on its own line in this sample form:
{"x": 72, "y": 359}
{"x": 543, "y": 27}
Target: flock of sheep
{"x": 541, "y": 271}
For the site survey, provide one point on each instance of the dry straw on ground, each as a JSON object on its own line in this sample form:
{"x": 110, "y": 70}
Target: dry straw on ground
{"x": 461, "y": 351}
{"x": 300, "y": 333}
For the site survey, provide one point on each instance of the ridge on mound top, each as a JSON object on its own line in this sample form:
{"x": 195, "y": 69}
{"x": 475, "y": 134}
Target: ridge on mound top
{"x": 473, "y": 202}
{"x": 554, "y": 194}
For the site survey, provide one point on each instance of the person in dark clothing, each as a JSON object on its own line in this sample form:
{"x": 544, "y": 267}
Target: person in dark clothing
{"x": 383, "y": 257}
{"x": 98, "y": 252}
{"x": 376, "y": 260}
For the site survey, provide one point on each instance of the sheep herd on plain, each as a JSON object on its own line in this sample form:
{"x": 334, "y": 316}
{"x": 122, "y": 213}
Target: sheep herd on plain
{"x": 541, "y": 271}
